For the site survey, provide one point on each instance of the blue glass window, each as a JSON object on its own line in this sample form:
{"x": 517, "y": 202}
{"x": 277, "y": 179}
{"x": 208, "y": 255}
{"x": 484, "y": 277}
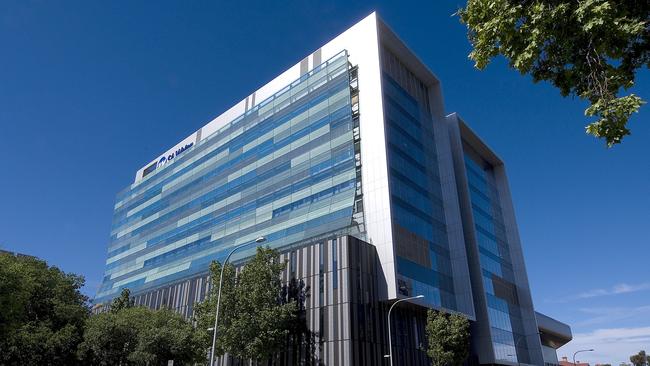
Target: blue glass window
{"x": 252, "y": 177}
{"x": 416, "y": 205}
{"x": 494, "y": 258}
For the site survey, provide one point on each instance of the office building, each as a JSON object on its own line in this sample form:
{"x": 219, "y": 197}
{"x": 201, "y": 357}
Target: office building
{"x": 348, "y": 164}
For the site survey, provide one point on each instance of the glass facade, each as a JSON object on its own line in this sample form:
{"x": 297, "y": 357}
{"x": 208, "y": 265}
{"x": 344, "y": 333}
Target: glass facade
{"x": 503, "y": 309}
{"x": 419, "y": 230}
{"x": 284, "y": 170}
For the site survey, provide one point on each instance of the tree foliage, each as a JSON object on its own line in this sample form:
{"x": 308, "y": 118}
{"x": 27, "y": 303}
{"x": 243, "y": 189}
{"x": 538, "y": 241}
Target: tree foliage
{"x": 640, "y": 359}
{"x": 42, "y": 312}
{"x": 110, "y": 338}
{"x": 129, "y": 335}
{"x": 448, "y": 338}
{"x": 124, "y": 301}
{"x": 586, "y": 48}
{"x": 254, "y": 321}
{"x": 301, "y": 342}
{"x": 204, "y": 311}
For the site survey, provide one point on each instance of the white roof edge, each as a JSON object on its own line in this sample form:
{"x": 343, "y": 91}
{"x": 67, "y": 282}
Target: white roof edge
{"x": 471, "y": 137}
{"x": 262, "y": 93}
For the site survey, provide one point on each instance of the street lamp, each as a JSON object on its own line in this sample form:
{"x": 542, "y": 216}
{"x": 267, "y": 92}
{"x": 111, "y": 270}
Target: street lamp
{"x": 390, "y": 343}
{"x": 259, "y": 240}
{"x": 582, "y": 350}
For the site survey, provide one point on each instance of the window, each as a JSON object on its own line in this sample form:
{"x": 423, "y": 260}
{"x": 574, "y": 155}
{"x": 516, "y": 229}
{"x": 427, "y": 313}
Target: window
{"x": 321, "y": 257}
{"x": 149, "y": 169}
{"x": 292, "y": 265}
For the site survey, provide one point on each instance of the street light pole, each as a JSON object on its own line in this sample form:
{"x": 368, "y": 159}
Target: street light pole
{"x": 390, "y": 343}
{"x": 259, "y": 240}
{"x": 582, "y": 350}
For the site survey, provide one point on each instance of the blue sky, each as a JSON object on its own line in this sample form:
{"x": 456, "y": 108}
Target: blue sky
{"x": 91, "y": 91}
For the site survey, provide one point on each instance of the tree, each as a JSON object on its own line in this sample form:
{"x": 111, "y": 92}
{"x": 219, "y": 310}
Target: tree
{"x": 204, "y": 311}
{"x": 139, "y": 336}
{"x": 448, "y": 338}
{"x": 301, "y": 341}
{"x": 586, "y": 48}
{"x": 166, "y": 335}
{"x": 124, "y": 301}
{"x": 640, "y": 359}
{"x": 110, "y": 338}
{"x": 42, "y": 312}
{"x": 254, "y": 322}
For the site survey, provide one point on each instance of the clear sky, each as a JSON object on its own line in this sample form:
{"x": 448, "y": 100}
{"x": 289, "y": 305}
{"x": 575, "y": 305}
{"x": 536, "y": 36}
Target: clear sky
{"x": 90, "y": 91}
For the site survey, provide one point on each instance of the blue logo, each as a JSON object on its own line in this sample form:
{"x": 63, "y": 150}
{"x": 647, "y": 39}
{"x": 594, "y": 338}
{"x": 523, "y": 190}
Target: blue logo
{"x": 169, "y": 158}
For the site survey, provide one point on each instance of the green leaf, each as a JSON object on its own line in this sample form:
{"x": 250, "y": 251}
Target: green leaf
{"x": 586, "y": 48}
{"x": 448, "y": 338}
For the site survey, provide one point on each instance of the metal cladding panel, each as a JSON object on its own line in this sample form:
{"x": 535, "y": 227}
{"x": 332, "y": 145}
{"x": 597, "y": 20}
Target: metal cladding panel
{"x": 553, "y": 327}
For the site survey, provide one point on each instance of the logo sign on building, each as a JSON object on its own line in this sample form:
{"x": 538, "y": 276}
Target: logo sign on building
{"x": 173, "y": 155}
{"x": 170, "y": 156}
